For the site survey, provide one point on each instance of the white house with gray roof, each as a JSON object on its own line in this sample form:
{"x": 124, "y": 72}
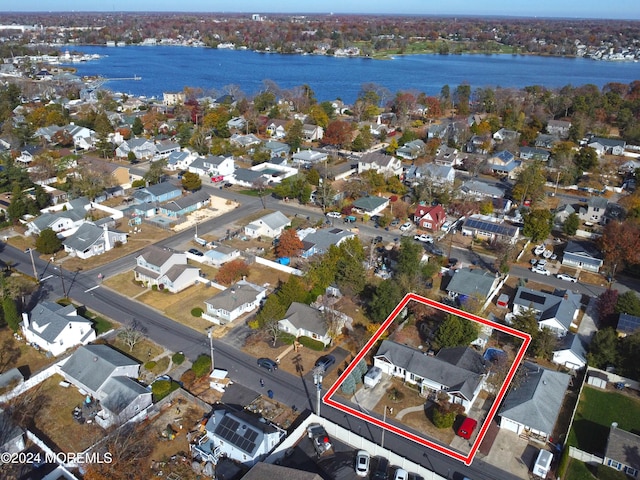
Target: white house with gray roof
{"x": 309, "y": 157}
{"x": 556, "y": 311}
{"x": 213, "y": 166}
{"x": 237, "y": 435}
{"x": 387, "y": 165}
{"x": 480, "y": 190}
{"x": 302, "y": 320}
{"x": 467, "y": 282}
{"x": 246, "y": 177}
{"x": 62, "y": 219}
{"x": 55, "y": 328}
{"x": 270, "y": 225}
{"x": 231, "y": 303}
{"x": 107, "y": 376}
{"x": 318, "y": 241}
{"x": 571, "y": 353}
{"x": 533, "y": 404}
{"x": 141, "y": 148}
{"x": 90, "y": 240}
{"x": 180, "y": 160}
{"x": 459, "y": 372}
{"x": 595, "y": 210}
{"x": 583, "y": 255}
{"x": 621, "y": 452}
{"x": 165, "y": 268}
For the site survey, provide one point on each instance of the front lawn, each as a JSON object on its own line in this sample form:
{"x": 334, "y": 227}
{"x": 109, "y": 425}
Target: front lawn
{"x": 596, "y": 412}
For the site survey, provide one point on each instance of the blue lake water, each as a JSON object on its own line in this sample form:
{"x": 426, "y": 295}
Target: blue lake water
{"x": 170, "y": 69}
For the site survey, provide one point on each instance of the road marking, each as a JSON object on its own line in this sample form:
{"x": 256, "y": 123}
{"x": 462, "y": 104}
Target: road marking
{"x": 92, "y": 288}
{"x": 46, "y": 278}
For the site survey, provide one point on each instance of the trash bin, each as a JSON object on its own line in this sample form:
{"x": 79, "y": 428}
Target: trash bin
{"x": 270, "y": 393}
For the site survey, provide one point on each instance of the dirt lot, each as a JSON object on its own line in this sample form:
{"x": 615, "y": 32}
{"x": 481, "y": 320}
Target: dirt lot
{"x": 142, "y": 351}
{"x": 16, "y": 353}
{"x": 49, "y": 406}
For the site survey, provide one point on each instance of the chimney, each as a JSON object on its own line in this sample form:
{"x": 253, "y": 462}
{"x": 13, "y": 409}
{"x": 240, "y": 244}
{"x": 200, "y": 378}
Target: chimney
{"x": 25, "y": 319}
{"x": 107, "y": 243}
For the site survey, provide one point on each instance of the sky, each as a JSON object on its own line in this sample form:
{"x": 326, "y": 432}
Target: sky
{"x": 612, "y": 9}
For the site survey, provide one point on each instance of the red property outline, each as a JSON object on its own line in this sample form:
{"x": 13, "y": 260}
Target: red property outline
{"x": 411, "y": 436}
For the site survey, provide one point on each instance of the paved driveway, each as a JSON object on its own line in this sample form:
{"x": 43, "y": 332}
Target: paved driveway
{"x": 512, "y": 454}
{"x": 368, "y": 398}
{"x": 588, "y": 327}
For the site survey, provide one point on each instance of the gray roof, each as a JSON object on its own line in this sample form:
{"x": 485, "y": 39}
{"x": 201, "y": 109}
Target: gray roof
{"x": 246, "y": 175}
{"x": 433, "y": 170}
{"x": 53, "y": 318}
{"x": 324, "y": 238}
{"x": 437, "y": 369}
{"x": 176, "y": 270}
{"x": 155, "y": 255}
{"x": 262, "y": 470}
{"x": 574, "y": 344}
{"x": 607, "y": 142}
{"x": 121, "y": 392}
{"x": 47, "y": 219}
{"x": 166, "y": 146}
{"x": 583, "y": 250}
{"x": 200, "y": 163}
{"x": 176, "y": 157}
{"x": 471, "y": 282}
{"x": 11, "y": 377}
{"x": 370, "y": 203}
{"x": 161, "y": 188}
{"x": 623, "y": 447}
{"x": 537, "y": 400}
{"x": 597, "y": 202}
{"x": 275, "y": 220}
{"x": 79, "y": 203}
{"x": 9, "y": 431}
{"x": 92, "y": 365}
{"x": 550, "y": 305}
{"x": 303, "y": 316}
{"x": 377, "y": 158}
{"x": 235, "y": 296}
{"x": 473, "y": 186}
{"x": 86, "y": 236}
{"x": 179, "y": 204}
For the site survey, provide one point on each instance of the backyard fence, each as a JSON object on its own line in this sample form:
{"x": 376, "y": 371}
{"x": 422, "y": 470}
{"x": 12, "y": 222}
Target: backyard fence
{"x": 585, "y": 457}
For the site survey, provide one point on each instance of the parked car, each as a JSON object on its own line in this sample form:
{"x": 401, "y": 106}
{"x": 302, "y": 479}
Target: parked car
{"x": 362, "y": 463}
{"x": 267, "y": 363}
{"x": 445, "y": 226}
{"x": 380, "y": 473}
{"x": 541, "y": 263}
{"x": 378, "y": 239}
{"x": 395, "y": 222}
{"x": 196, "y": 252}
{"x": 406, "y": 226}
{"x": 319, "y": 438}
{"x": 540, "y": 270}
{"x": 423, "y": 238}
{"x": 325, "y": 361}
{"x": 466, "y": 428}
{"x": 334, "y": 215}
{"x": 349, "y": 219}
{"x": 566, "y": 277}
{"x": 401, "y": 474}
{"x": 539, "y": 250}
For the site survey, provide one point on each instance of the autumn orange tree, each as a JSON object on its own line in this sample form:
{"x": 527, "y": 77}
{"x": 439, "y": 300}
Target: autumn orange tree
{"x": 338, "y": 133}
{"x": 620, "y": 244}
{"x": 232, "y": 271}
{"x": 289, "y": 244}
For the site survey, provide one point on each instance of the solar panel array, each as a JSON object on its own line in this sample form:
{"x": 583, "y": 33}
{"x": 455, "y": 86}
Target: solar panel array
{"x": 532, "y": 297}
{"x": 489, "y": 227}
{"x": 228, "y": 430}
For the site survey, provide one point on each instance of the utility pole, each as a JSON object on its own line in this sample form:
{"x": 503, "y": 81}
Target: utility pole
{"x": 211, "y": 347}
{"x": 33, "y": 264}
{"x": 318, "y": 373}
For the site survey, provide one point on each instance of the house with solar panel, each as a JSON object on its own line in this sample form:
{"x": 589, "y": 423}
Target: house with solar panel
{"x": 627, "y": 324}
{"x": 490, "y": 229}
{"x": 556, "y": 311}
{"x": 239, "y": 436}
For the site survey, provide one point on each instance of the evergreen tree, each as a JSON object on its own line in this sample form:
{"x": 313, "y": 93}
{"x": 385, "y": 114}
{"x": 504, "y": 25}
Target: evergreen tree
{"x": 48, "y": 242}
{"x": 137, "y": 128}
{"x": 11, "y": 315}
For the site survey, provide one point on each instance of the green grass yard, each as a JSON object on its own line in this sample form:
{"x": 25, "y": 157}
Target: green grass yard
{"x": 596, "y": 412}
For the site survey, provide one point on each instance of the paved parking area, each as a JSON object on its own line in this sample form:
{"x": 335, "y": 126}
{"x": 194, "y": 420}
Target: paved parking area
{"x": 512, "y": 454}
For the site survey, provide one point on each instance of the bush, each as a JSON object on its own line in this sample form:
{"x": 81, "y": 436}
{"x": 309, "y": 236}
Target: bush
{"x": 197, "y": 312}
{"x": 253, "y": 324}
{"x": 154, "y": 288}
{"x": 178, "y": 358}
{"x": 202, "y": 366}
{"x": 564, "y": 462}
{"x": 188, "y": 378}
{"x": 162, "y": 388}
{"x": 443, "y": 418}
{"x": 287, "y": 338}
{"x": 311, "y": 343}
{"x": 150, "y": 365}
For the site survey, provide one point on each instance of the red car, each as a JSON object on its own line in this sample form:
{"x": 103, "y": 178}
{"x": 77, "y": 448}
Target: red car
{"x": 218, "y": 178}
{"x": 466, "y": 429}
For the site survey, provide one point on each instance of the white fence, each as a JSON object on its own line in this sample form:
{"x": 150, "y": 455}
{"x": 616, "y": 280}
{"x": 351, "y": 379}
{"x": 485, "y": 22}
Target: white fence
{"x": 495, "y": 292}
{"x": 277, "y": 266}
{"x": 585, "y": 457}
{"x": 353, "y": 440}
{"x": 32, "y": 382}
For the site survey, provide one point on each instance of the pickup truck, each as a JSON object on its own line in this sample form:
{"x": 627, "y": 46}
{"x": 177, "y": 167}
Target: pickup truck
{"x": 319, "y": 438}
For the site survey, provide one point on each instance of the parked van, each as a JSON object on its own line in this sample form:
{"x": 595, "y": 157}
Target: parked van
{"x": 467, "y": 427}
{"x": 543, "y": 464}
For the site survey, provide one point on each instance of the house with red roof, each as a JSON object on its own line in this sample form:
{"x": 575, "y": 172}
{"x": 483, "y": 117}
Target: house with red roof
{"x": 430, "y": 217}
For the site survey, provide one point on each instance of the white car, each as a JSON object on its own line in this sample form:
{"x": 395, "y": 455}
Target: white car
{"x": 541, "y": 263}
{"x": 334, "y": 215}
{"x": 423, "y": 238}
{"x": 547, "y": 253}
{"x": 405, "y": 226}
{"x": 541, "y": 270}
{"x": 445, "y": 226}
{"x": 567, "y": 277}
{"x": 363, "y": 459}
{"x": 539, "y": 250}
{"x": 401, "y": 474}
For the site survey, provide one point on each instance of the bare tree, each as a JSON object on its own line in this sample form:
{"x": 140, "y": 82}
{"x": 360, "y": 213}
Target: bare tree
{"x": 132, "y": 334}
